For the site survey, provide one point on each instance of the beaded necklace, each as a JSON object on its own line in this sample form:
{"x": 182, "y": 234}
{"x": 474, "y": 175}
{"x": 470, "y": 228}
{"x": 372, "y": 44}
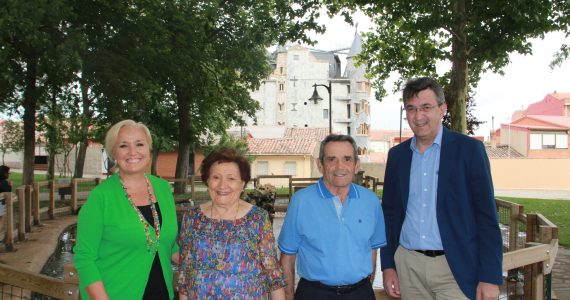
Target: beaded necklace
{"x": 151, "y": 246}
{"x": 222, "y": 252}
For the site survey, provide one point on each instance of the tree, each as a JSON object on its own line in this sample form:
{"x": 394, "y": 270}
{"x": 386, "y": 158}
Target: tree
{"x": 35, "y": 51}
{"x": 209, "y": 55}
{"x": 474, "y": 36}
{"x": 12, "y": 138}
{"x": 228, "y": 141}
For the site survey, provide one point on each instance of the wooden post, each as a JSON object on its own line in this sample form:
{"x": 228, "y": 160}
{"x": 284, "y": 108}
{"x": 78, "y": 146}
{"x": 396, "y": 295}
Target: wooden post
{"x": 516, "y": 210}
{"x": 290, "y": 193}
{"x": 74, "y": 196}
{"x": 71, "y": 281}
{"x": 36, "y": 203}
{"x": 28, "y": 199}
{"x": 51, "y": 209}
{"x": 9, "y": 236}
{"x": 193, "y": 187}
{"x": 21, "y": 214}
{"x": 537, "y": 282}
{"x": 531, "y": 226}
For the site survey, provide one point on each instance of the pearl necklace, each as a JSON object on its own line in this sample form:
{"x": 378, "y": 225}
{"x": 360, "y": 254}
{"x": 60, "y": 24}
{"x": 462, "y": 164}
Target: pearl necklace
{"x": 222, "y": 252}
{"x": 151, "y": 246}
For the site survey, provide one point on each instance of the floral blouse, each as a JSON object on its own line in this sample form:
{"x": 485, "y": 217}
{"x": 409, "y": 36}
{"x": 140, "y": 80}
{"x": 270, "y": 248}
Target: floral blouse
{"x": 226, "y": 259}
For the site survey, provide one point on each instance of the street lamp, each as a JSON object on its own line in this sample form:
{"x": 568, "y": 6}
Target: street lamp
{"x": 317, "y": 98}
{"x": 401, "y": 111}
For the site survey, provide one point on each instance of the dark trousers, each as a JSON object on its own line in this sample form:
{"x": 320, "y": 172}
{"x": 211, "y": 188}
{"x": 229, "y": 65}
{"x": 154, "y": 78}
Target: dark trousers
{"x": 308, "y": 290}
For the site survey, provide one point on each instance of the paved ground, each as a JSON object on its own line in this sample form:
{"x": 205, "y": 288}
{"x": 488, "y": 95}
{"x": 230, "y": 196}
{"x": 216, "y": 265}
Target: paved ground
{"x": 33, "y": 253}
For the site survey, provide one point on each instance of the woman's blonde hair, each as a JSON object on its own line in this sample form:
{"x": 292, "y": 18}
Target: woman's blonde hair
{"x": 113, "y": 132}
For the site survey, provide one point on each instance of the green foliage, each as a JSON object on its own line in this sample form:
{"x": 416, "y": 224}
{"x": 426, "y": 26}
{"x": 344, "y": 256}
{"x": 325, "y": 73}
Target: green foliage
{"x": 228, "y": 141}
{"x": 411, "y": 37}
{"x": 11, "y": 137}
{"x": 184, "y": 68}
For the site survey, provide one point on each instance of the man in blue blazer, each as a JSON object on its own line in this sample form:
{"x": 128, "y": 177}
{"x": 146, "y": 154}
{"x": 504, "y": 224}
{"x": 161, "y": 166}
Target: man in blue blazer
{"x": 442, "y": 227}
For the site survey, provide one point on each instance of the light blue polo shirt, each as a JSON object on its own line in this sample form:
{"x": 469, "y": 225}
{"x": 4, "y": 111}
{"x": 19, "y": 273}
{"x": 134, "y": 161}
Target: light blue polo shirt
{"x": 335, "y": 249}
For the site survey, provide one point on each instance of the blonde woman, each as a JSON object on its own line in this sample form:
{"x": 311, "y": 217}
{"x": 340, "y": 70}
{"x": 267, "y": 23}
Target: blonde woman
{"x": 126, "y": 230}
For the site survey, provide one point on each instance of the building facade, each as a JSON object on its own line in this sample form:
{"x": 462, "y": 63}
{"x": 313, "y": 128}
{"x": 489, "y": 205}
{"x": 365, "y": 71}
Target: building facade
{"x": 284, "y": 95}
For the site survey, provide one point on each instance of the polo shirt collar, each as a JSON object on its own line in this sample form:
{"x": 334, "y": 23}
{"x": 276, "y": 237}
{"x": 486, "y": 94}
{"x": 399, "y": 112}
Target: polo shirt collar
{"x": 325, "y": 193}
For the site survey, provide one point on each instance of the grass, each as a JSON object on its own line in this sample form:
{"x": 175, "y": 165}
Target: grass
{"x": 16, "y": 179}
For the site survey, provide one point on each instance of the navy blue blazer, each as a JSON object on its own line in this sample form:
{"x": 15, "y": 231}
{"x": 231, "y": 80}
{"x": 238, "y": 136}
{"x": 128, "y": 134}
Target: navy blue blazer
{"x": 466, "y": 212}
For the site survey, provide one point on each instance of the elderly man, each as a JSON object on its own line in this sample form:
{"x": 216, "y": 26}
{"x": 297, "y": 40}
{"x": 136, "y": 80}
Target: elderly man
{"x": 332, "y": 230}
{"x": 444, "y": 240}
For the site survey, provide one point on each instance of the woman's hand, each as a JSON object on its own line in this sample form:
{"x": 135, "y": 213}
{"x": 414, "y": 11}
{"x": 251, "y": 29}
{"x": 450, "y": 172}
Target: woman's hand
{"x": 278, "y": 294}
{"x": 176, "y": 258}
{"x": 97, "y": 291}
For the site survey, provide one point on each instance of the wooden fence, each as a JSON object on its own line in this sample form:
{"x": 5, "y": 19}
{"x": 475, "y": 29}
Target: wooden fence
{"x": 17, "y": 284}
{"x": 25, "y": 202}
{"x": 530, "y": 241}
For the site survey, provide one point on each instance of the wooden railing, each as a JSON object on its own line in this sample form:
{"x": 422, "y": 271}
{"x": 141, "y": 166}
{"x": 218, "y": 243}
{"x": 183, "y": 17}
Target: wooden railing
{"x": 530, "y": 242}
{"x": 26, "y": 203}
{"x": 26, "y": 282}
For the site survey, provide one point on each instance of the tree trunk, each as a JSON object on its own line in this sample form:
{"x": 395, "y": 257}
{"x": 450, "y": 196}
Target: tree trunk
{"x": 80, "y": 159}
{"x": 182, "y": 98}
{"x": 51, "y": 167}
{"x": 30, "y": 103}
{"x": 457, "y": 91}
{"x": 85, "y": 118}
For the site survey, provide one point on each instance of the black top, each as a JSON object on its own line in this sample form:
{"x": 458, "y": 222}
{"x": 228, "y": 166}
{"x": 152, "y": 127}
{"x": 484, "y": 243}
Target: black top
{"x": 6, "y": 187}
{"x": 155, "y": 286}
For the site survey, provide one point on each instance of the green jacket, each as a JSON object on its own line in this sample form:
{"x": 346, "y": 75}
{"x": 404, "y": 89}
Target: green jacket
{"x": 111, "y": 243}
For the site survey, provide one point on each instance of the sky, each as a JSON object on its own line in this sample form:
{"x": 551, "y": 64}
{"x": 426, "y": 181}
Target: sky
{"x": 527, "y": 79}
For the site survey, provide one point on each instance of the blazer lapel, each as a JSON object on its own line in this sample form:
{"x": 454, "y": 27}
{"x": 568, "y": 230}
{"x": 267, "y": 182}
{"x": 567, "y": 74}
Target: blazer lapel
{"x": 406, "y": 165}
{"x": 444, "y": 165}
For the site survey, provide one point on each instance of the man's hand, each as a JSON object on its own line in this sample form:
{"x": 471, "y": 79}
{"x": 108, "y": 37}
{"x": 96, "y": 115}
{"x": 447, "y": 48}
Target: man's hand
{"x": 288, "y": 265}
{"x": 391, "y": 283}
{"x": 487, "y": 291}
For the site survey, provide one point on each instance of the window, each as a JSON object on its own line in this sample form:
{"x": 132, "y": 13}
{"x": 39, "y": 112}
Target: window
{"x": 281, "y": 87}
{"x": 357, "y": 107}
{"x": 548, "y": 141}
{"x": 290, "y": 168}
{"x": 281, "y": 106}
{"x": 325, "y": 113}
{"x": 262, "y": 168}
{"x": 561, "y": 141}
{"x": 348, "y": 111}
{"x": 348, "y": 130}
{"x": 362, "y": 129}
{"x": 348, "y": 89}
{"x": 363, "y": 86}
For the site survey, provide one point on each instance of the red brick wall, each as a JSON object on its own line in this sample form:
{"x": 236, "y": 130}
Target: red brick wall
{"x": 166, "y": 164}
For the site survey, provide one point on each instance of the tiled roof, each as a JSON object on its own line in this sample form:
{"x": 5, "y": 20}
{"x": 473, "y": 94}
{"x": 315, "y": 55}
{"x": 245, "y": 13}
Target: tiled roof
{"x": 281, "y": 146}
{"x": 562, "y": 121}
{"x": 318, "y": 134}
{"x": 388, "y": 134}
{"x": 561, "y": 96}
{"x": 502, "y": 151}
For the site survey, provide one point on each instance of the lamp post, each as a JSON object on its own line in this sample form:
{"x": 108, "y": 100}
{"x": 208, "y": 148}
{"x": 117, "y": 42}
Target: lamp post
{"x": 317, "y": 98}
{"x": 401, "y": 111}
